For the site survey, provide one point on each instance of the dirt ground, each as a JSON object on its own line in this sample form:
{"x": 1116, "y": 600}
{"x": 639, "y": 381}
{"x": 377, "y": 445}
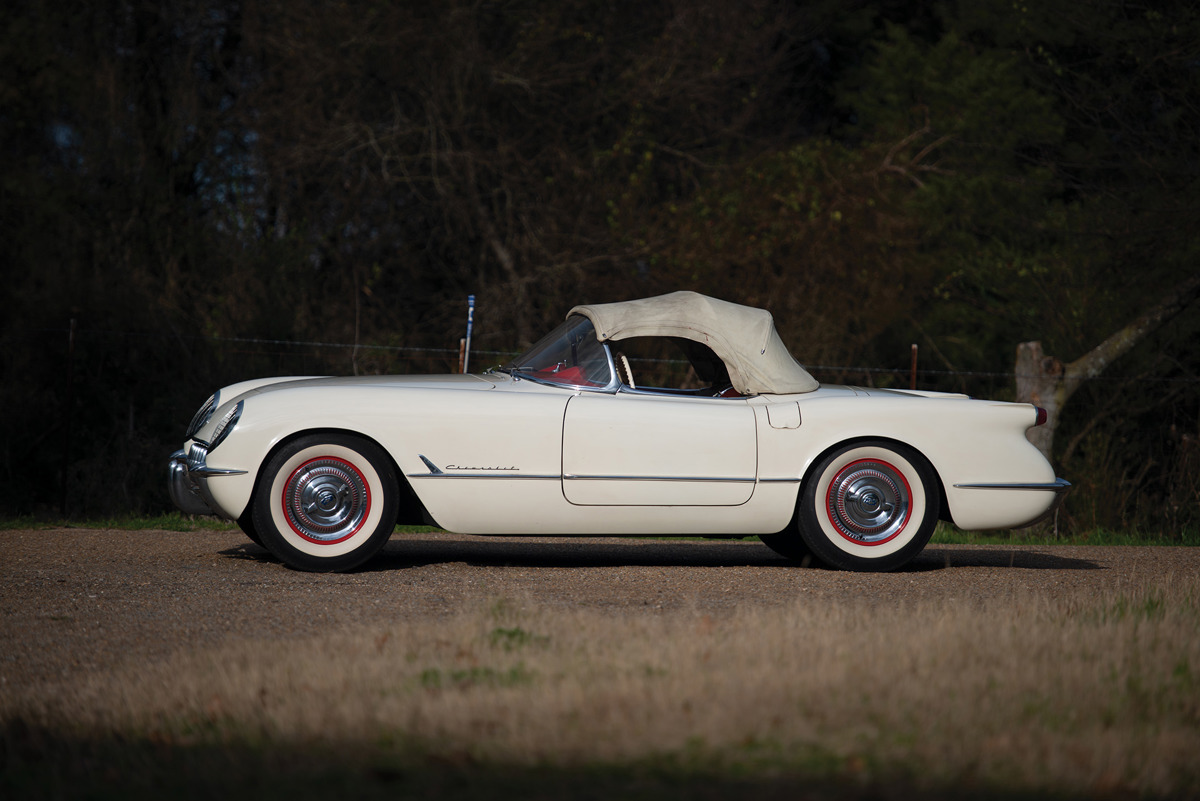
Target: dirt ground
{"x": 73, "y": 601}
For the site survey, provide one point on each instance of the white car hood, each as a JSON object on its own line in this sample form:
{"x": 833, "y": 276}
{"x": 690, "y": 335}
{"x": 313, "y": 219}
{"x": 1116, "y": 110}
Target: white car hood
{"x": 449, "y": 381}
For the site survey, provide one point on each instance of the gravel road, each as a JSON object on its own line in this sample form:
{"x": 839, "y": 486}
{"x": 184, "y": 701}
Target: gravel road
{"x": 74, "y": 601}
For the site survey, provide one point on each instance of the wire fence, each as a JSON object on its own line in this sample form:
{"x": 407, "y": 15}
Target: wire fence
{"x": 306, "y": 356}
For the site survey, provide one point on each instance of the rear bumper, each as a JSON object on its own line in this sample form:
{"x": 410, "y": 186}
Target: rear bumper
{"x": 1059, "y": 486}
{"x": 1057, "y": 489}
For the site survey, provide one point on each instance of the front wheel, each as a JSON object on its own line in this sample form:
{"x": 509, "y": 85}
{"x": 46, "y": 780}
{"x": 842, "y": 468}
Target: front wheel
{"x": 326, "y": 502}
{"x": 869, "y": 506}
{"x": 246, "y": 524}
{"x": 788, "y": 544}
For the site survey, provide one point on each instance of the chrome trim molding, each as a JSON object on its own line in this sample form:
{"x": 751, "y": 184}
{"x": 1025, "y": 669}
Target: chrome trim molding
{"x": 1059, "y": 485}
{"x": 608, "y": 389}
{"x": 614, "y": 382}
{"x": 227, "y": 425}
{"x": 475, "y": 472}
{"x": 197, "y": 455}
{"x": 664, "y": 392}
{"x": 493, "y": 476}
{"x": 187, "y": 480}
{"x": 203, "y": 414}
{"x": 185, "y": 493}
{"x": 570, "y": 477}
{"x": 706, "y": 479}
{"x": 208, "y": 472}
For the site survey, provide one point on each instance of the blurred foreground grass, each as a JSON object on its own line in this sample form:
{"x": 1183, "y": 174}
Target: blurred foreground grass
{"x": 1078, "y": 696}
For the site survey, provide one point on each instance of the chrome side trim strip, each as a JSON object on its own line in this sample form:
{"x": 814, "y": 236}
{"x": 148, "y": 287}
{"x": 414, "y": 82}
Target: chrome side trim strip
{"x": 538, "y": 477}
{"x": 506, "y": 473}
{"x": 708, "y": 479}
{"x": 434, "y": 470}
{"x": 491, "y": 476}
{"x": 1058, "y": 485}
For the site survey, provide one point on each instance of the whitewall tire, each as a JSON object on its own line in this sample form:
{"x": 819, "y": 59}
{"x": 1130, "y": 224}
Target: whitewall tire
{"x": 326, "y": 502}
{"x": 869, "y": 506}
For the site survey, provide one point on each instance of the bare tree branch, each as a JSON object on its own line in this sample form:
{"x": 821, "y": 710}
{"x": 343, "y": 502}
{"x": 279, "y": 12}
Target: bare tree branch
{"x": 1045, "y": 381}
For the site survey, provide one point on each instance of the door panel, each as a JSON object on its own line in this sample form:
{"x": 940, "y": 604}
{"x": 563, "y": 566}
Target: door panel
{"x": 648, "y": 450}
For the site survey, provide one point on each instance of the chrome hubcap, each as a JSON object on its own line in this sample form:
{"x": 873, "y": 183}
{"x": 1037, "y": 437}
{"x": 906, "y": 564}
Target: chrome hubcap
{"x": 868, "y": 502}
{"x": 326, "y": 500}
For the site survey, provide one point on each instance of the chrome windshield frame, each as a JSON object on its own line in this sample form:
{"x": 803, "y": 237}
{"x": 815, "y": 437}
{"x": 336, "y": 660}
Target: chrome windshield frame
{"x": 522, "y": 373}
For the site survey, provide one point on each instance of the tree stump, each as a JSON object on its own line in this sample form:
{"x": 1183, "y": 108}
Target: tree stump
{"x": 1040, "y": 382}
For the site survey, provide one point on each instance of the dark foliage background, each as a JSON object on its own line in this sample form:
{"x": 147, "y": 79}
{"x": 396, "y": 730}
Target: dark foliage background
{"x": 218, "y": 190}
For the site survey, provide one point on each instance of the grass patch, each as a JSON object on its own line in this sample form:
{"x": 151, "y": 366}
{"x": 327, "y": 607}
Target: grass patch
{"x": 511, "y": 639}
{"x": 169, "y": 521}
{"x": 465, "y": 678}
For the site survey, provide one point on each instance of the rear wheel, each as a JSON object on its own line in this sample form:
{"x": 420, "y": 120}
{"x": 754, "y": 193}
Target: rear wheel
{"x": 326, "y": 502}
{"x": 869, "y": 506}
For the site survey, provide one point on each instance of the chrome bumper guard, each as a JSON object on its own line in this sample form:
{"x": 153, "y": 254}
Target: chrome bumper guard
{"x": 187, "y": 480}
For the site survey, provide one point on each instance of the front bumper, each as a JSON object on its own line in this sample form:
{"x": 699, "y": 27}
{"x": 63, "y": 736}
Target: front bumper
{"x": 187, "y": 480}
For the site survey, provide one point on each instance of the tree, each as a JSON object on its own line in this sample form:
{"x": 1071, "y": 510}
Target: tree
{"x": 1061, "y": 223}
{"x": 1046, "y": 382}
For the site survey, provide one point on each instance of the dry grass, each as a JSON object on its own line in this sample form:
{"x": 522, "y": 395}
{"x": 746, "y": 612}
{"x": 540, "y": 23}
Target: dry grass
{"x": 1097, "y": 695}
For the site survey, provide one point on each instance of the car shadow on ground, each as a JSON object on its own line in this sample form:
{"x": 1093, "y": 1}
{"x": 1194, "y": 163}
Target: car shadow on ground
{"x": 406, "y": 552}
{"x": 1019, "y": 557}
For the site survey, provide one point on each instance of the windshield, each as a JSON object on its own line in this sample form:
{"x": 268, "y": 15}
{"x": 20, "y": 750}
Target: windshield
{"x": 569, "y": 355}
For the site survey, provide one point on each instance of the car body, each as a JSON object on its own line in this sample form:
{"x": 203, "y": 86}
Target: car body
{"x": 568, "y": 440}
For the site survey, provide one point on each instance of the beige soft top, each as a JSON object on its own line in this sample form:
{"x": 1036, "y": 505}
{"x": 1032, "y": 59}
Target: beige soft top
{"x": 743, "y": 337}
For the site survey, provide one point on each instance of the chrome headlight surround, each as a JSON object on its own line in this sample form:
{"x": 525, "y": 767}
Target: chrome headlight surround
{"x": 226, "y": 426}
{"x": 203, "y": 415}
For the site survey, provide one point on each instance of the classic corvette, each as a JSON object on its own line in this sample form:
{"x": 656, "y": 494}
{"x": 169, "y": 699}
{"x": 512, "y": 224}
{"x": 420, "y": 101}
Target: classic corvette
{"x": 673, "y": 415}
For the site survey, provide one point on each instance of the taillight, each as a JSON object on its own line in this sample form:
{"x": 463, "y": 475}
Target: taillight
{"x": 1042, "y": 416}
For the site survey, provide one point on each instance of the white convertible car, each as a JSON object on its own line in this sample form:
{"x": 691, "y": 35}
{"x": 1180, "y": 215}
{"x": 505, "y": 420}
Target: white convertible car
{"x": 597, "y": 430}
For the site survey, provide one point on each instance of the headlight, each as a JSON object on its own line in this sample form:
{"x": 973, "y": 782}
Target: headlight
{"x": 202, "y": 416}
{"x": 226, "y": 425}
